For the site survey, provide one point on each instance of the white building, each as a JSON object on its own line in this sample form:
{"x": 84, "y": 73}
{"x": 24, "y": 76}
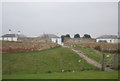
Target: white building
{"x": 54, "y": 38}
{"x": 11, "y": 36}
{"x": 108, "y": 39}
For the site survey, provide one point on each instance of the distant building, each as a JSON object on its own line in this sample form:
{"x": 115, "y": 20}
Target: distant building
{"x": 108, "y": 39}
{"x": 11, "y": 37}
{"x": 54, "y": 38}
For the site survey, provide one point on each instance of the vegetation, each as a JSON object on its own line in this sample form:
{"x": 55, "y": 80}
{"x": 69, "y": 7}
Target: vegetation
{"x": 46, "y": 61}
{"x": 20, "y": 46}
{"x": 76, "y": 36}
{"x": 90, "y": 53}
{"x": 67, "y": 36}
{"x": 54, "y": 63}
{"x": 104, "y": 47}
{"x": 86, "y": 36}
{"x": 102, "y": 41}
{"x": 73, "y": 75}
{"x": 97, "y": 56}
{"x": 62, "y": 38}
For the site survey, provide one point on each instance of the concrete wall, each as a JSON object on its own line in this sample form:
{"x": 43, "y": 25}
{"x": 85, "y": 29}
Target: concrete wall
{"x": 9, "y": 46}
{"x": 109, "y": 40}
{"x": 79, "y": 40}
{"x": 34, "y": 39}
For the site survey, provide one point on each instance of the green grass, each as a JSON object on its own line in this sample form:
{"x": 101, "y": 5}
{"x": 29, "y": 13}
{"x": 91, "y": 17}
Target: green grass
{"x": 90, "y": 53}
{"x": 47, "y": 64}
{"x": 76, "y": 75}
{"x": 94, "y": 54}
{"x": 46, "y": 61}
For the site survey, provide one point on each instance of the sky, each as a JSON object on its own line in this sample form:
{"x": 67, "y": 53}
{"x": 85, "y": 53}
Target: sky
{"x": 60, "y": 0}
{"x": 35, "y": 18}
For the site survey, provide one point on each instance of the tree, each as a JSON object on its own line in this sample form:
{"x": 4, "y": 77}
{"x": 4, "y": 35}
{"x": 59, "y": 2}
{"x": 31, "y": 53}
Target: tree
{"x": 86, "y": 36}
{"x": 76, "y": 36}
{"x": 67, "y": 36}
{"x": 62, "y": 38}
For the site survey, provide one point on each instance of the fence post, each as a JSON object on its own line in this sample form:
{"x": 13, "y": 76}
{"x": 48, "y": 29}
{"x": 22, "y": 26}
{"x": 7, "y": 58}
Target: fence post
{"x": 103, "y": 64}
{"x": 115, "y": 62}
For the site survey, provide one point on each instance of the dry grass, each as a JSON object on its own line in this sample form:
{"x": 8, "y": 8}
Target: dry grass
{"x": 8, "y": 46}
{"x": 107, "y": 47}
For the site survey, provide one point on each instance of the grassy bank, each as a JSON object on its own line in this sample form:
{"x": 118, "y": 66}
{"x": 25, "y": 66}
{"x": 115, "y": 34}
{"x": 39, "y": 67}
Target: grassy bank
{"x": 97, "y": 56}
{"x": 90, "y": 53}
{"x": 45, "y": 61}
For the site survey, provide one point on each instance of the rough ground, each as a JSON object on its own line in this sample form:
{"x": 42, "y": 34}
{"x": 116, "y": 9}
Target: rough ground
{"x": 89, "y": 60}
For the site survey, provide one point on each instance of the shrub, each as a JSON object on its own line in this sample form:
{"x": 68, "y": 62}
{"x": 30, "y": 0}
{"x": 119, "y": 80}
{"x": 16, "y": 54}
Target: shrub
{"x": 98, "y": 48}
{"x": 102, "y": 41}
{"x": 49, "y": 71}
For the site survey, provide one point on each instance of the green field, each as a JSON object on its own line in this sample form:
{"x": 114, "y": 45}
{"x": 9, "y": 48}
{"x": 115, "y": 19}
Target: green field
{"x": 76, "y": 75}
{"x": 46, "y": 61}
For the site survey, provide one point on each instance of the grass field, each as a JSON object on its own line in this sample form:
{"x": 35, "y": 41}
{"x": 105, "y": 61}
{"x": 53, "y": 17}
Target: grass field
{"x": 48, "y": 64}
{"x": 46, "y": 61}
{"x": 76, "y": 75}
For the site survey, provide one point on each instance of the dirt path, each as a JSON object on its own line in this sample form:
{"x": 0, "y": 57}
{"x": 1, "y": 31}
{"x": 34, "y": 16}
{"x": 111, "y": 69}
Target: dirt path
{"x": 89, "y": 60}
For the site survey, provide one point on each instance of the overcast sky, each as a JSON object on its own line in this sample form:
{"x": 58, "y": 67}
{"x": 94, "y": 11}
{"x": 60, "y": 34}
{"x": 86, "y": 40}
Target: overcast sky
{"x": 33, "y": 18}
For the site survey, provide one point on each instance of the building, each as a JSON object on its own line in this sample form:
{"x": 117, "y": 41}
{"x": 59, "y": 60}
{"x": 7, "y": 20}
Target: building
{"x": 54, "y": 38}
{"x": 108, "y": 39}
{"x": 11, "y": 37}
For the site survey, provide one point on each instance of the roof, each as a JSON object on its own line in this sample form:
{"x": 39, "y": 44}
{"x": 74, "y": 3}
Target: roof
{"x": 20, "y": 35}
{"x": 13, "y": 35}
{"x": 9, "y": 35}
{"x": 50, "y": 36}
{"x": 108, "y": 37}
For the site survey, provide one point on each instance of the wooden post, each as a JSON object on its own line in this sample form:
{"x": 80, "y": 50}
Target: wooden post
{"x": 103, "y": 64}
{"x": 115, "y": 62}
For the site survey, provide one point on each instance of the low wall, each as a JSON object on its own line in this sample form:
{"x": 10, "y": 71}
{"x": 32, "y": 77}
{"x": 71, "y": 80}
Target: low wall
{"x": 8, "y": 46}
{"x": 34, "y": 39}
{"x": 79, "y": 40}
{"x": 107, "y": 47}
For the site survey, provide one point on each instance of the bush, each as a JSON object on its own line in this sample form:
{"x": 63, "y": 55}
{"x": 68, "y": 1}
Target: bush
{"x": 97, "y": 48}
{"x": 76, "y": 36}
{"x": 102, "y": 41}
{"x": 49, "y": 71}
